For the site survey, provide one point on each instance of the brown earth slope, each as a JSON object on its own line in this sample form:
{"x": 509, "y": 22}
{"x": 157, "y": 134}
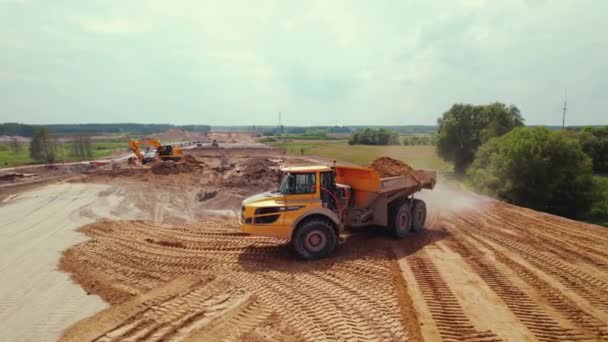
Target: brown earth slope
{"x": 481, "y": 271}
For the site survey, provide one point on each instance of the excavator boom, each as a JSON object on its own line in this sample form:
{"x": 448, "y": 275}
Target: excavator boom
{"x": 134, "y": 145}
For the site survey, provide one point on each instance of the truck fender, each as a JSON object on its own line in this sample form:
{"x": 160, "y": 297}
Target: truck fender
{"x": 318, "y": 211}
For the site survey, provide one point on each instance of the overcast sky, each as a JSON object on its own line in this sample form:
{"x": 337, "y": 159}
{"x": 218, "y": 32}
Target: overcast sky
{"x": 318, "y": 62}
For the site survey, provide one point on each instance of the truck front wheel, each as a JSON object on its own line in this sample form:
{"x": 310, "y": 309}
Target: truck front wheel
{"x": 401, "y": 221}
{"x": 314, "y": 239}
{"x": 418, "y": 215}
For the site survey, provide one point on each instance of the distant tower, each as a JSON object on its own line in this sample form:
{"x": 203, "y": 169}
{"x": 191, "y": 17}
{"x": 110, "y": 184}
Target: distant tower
{"x": 281, "y": 129}
{"x": 564, "y": 109}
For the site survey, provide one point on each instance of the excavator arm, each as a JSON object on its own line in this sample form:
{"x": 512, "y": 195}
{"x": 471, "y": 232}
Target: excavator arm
{"x": 134, "y": 145}
{"x": 155, "y": 143}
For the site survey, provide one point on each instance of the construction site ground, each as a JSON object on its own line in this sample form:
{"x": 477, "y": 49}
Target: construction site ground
{"x": 124, "y": 253}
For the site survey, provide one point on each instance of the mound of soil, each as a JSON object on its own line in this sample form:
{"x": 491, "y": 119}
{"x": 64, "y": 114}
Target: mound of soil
{"x": 255, "y": 171}
{"x": 389, "y": 167}
{"x": 256, "y": 167}
{"x": 169, "y": 168}
{"x": 189, "y": 159}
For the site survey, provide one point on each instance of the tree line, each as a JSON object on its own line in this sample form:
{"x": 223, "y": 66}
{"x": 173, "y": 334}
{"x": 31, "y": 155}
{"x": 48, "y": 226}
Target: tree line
{"x": 45, "y": 147}
{"x": 535, "y": 167}
{"x": 23, "y": 130}
{"x": 371, "y": 136}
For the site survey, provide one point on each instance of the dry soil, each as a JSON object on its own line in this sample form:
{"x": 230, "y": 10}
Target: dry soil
{"x": 170, "y": 269}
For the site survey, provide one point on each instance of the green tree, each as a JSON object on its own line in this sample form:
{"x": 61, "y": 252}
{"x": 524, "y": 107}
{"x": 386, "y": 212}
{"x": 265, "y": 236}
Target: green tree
{"x": 370, "y": 136}
{"x": 594, "y": 142}
{"x": 15, "y": 145}
{"x": 464, "y": 127}
{"x": 43, "y": 147}
{"x": 81, "y": 147}
{"x": 536, "y": 168}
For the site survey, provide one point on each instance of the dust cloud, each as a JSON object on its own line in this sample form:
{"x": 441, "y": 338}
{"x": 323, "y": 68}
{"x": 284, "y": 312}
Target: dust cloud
{"x": 448, "y": 199}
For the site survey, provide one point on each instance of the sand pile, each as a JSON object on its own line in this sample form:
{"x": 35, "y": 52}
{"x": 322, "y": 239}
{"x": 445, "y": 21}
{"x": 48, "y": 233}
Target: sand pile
{"x": 389, "y": 167}
{"x": 256, "y": 167}
{"x": 255, "y": 171}
{"x": 169, "y": 168}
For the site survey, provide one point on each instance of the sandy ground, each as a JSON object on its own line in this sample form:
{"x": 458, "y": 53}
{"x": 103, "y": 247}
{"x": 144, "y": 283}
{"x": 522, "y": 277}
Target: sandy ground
{"x": 481, "y": 271}
{"x": 36, "y": 300}
{"x": 169, "y": 268}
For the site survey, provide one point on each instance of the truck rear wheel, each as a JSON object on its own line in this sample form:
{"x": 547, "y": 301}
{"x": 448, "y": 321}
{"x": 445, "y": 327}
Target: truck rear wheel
{"x": 401, "y": 221}
{"x": 314, "y": 239}
{"x": 418, "y": 215}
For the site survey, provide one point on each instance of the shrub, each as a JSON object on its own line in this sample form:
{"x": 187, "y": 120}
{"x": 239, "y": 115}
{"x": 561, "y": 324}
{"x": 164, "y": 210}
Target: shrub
{"x": 536, "y": 168}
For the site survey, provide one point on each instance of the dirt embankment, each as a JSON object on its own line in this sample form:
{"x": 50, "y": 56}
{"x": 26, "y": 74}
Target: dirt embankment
{"x": 189, "y": 190}
{"x": 185, "y": 275}
{"x": 522, "y": 275}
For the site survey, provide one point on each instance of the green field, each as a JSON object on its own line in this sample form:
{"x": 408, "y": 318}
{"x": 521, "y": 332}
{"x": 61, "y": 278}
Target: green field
{"x": 101, "y": 148}
{"x": 423, "y": 157}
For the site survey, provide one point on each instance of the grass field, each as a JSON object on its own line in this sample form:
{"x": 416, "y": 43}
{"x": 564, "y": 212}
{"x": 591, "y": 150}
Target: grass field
{"x": 423, "y": 157}
{"x": 101, "y": 148}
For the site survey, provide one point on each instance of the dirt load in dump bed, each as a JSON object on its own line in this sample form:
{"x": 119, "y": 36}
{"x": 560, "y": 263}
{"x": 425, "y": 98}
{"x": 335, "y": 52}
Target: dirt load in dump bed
{"x": 389, "y": 167}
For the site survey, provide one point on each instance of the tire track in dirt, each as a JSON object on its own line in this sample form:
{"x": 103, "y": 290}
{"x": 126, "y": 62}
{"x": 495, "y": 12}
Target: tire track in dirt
{"x": 591, "y": 288}
{"x": 351, "y": 296}
{"x": 449, "y": 316}
{"x": 563, "y": 243}
{"x": 553, "y": 296}
{"x": 523, "y": 306}
{"x": 575, "y": 230}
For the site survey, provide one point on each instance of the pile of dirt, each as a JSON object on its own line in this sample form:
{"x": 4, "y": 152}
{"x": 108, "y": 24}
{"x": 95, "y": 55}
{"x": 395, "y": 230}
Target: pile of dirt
{"x": 389, "y": 167}
{"x": 189, "y": 159}
{"x": 256, "y": 167}
{"x": 253, "y": 172}
{"x": 169, "y": 168}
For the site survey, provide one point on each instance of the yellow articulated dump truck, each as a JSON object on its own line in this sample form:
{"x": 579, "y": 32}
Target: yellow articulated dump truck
{"x": 314, "y": 203}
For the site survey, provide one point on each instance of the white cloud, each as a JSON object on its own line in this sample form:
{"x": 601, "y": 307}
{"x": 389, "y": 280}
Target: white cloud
{"x": 317, "y": 61}
{"x": 111, "y": 25}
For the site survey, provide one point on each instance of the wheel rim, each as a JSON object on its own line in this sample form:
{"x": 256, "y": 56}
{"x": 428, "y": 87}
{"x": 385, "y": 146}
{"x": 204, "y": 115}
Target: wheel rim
{"x": 315, "y": 241}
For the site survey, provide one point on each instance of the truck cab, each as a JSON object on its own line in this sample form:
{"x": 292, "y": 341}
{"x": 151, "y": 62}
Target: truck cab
{"x": 305, "y": 194}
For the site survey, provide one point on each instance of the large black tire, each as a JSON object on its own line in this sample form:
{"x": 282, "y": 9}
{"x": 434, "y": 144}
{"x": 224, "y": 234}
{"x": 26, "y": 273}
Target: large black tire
{"x": 401, "y": 221}
{"x": 314, "y": 239}
{"x": 418, "y": 215}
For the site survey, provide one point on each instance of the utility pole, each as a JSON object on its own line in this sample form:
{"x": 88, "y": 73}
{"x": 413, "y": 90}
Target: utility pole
{"x": 565, "y": 109}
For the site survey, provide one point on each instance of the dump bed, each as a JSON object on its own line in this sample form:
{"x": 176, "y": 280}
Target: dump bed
{"x": 368, "y": 185}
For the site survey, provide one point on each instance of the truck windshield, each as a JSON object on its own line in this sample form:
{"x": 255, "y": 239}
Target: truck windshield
{"x": 298, "y": 183}
{"x": 284, "y": 188}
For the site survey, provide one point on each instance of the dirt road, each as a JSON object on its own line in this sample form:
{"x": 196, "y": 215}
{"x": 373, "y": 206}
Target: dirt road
{"x": 36, "y": 300}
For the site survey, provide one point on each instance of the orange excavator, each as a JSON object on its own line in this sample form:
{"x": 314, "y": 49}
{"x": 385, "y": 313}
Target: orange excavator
{"x": 155, "y": 151}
